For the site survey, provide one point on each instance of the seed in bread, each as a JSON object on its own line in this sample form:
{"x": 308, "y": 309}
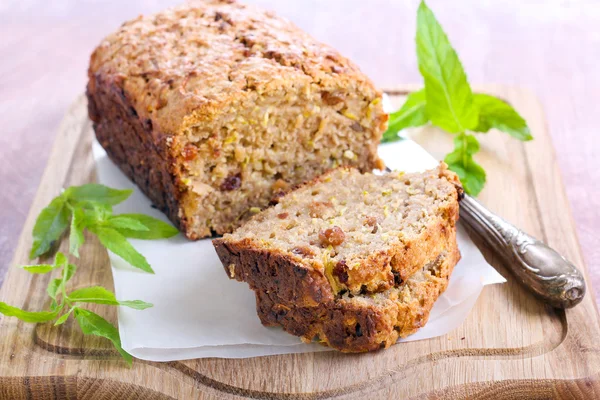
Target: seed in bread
{"x": 213, "y": 107}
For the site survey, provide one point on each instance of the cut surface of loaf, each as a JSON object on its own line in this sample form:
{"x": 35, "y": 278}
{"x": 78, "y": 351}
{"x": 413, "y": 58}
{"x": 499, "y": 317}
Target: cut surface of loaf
{"x": 365, "y": 322}
{"x": 213, "y": 107}
{"x": 345, "y": 232}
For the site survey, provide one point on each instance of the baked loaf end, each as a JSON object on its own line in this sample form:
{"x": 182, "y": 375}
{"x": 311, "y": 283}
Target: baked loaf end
{"x": 214, "y": 107}
{"x": 345, "y": 232}
{"x": 362, "y": 323}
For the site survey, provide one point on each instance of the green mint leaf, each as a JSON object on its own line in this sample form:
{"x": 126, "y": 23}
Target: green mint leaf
{"x": 76, "y": 238}
{"x": 100, "y": 295}
{"x": 49, "y": 226}
{"x": 53, "y": 288}
{"x": 57, "y": 285}
{"x": 27, "y": 316}
{"x": 94, "y": 214}
{"x": 38, "y": 269}
{"x": 448, "y": 94}
{"x": 118, "y": 244}
{"x": 157, "y": 229}
{"x": 63, "y": 318}
{"x": 93, "y": 324}
{"x": 60, "y": 260}
{"x": 496, "y": 113}
{"x": 96, "y": 193}
{"x": 471, "y": 174}
{"x": 69, "y": 272}
{"x": 123, "y": 222}
{"x": 93, "y": 294}
{"x": 412, "y": 113}
{"x": 135, "y": 304}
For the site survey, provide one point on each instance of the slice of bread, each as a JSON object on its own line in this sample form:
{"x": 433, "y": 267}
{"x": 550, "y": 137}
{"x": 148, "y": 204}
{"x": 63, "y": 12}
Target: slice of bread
{"x": 365, "y": 322}
{"x": 345, "y": 233}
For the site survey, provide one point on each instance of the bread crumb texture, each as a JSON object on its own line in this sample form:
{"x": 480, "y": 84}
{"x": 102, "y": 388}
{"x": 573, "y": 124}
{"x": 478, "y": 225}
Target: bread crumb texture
{"x": 354, "y": 232}
{"x": 363, "y": 323}
{"x": 214, "y": 107}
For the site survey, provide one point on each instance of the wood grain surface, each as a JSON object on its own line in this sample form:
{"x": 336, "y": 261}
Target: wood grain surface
{"x": 511, "y": 346}
{"x": 551, "y": 47}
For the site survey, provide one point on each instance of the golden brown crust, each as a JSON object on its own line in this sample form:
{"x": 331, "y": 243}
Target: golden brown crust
{"x": 197, "y": 57}
{"x": 133, "y": 144}
{"x": 387, "y": 267}
{"x": 275, "y": 272}
{"x": 297, "y": 284}
{"x": 363, "y": 323}
{"x": 193, "y": 66}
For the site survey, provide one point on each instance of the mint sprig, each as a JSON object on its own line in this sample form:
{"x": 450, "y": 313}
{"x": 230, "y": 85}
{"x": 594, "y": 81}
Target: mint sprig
{"x": 461, "y": 161}
{"x": 498, "y": 114}
{"x": 49, "y": 226}
{"x": 28, "y": 316}
{"x": 78, "y": 208}
{"x": 448, "y": 94}
{"x": 72, "y": 301}
{"x": 93, "y": 324}
{"x": 412, "y": 113}
{"x": 156, "y": 228}
{"x": 448, "y": 102}
{"x": 111, "y": 239}
{"x": 89, "y": 207}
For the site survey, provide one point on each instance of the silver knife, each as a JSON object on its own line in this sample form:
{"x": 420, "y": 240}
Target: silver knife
{"x": 538, "y": 267}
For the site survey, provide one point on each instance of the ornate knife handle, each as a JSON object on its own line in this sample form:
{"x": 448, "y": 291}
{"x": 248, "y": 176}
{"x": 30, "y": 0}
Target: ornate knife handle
{"x": 538, "y": 267}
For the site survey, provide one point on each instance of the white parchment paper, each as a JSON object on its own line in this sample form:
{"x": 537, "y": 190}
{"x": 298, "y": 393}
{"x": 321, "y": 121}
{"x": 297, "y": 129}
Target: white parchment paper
{"x": 199, "y": 312}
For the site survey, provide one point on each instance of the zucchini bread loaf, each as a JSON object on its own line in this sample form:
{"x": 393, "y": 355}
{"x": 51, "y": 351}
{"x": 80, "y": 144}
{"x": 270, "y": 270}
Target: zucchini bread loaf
{"x": 345, "y": 232}
{"x": 214, "y": 107}
{"x": 352, "y": 260}
{"x": 365, "y": 322}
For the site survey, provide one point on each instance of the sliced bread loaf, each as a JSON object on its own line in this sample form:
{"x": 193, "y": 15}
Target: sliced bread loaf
{"x": 345, "y": 232}
{"x": 365, "y": 322}
{"x": 212, "y": 107}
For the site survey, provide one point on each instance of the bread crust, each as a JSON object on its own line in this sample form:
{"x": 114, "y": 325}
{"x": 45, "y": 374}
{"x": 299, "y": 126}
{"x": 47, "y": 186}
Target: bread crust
{"x": 297, "y": 284}
{"x": 388, "y": 292}
{"x": 242, "y": 49}
{"x": 134, "y": 145}
{"x": 159, "y": 76}
{"x": 354, "y": 325}
{"x": 376, "y": 272}
{"x": 272, "y": 271}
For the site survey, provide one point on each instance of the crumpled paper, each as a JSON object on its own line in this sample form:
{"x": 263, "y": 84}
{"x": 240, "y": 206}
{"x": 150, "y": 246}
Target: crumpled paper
{"x": 199, "y": 312}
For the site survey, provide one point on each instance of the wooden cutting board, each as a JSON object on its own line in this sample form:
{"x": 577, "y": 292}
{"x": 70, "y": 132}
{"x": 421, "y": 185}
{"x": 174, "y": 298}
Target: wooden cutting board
{"x": 511, "y": 346}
